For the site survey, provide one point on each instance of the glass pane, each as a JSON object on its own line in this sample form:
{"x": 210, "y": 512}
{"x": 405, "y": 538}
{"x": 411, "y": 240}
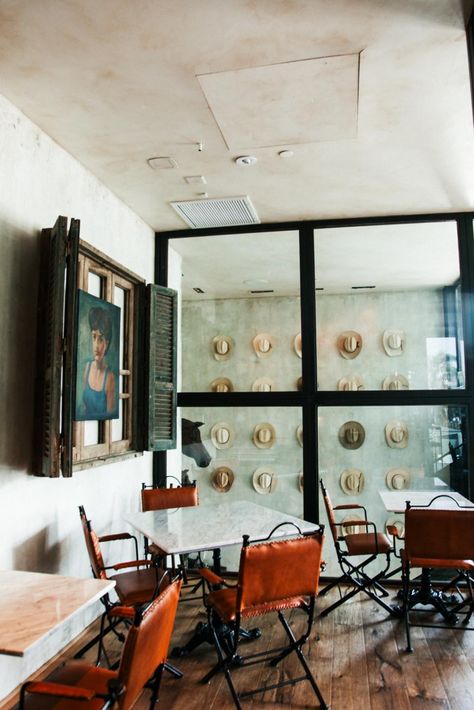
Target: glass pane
{"x": 240, "y": 319}
{"x": 249, "y": 454}
{"x": 388, "y": 310}
{"x": 117, "y": 424}
{"x": 369, "y": 450}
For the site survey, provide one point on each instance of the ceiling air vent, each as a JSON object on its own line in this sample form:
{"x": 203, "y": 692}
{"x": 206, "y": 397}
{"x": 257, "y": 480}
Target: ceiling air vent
{"x": 217, "y": 212}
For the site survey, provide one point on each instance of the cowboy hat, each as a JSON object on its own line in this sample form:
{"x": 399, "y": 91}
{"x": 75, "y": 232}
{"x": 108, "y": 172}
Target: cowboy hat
{"x": 222, "y": 479}
{"x": 301, "y": 481}
{"x": 395, "y": 382}
{"x": 352, "y": 481}
{"x": 263, "y": 344}
{"x": 222, "y": 384}
{"x": 264, "y": 480}
{"x": 263, "y": 384}
{"x": 222, "y": 435}
{"x": 299, "y": 384}
{"x": 397, "y": 479}
{"x": 394, "y": 342}
{"x": 264, "y": 435}
{"x": 349, "y": 344}
{"x": 353, "y": 529}
{"x": 353, "y": 383}
{"x": 222, "y": 346}
{"x": 299, "y": 434}
{"x": 351, "y": 435}
{"x": 396, "y": 435}
{"x": 297, "y": 344}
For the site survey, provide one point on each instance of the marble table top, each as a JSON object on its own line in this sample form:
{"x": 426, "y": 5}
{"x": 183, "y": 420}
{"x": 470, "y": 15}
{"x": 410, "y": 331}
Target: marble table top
{"x": 35, "y": 604}
{"x": 395, "y": 501}
{"x": 210, "y": 526}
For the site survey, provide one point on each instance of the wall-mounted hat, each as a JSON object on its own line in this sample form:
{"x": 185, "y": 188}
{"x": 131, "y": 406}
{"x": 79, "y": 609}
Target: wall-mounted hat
{"x": 222, "y": 479}
{"x": 263, "y": 344}
{"x": 349, "y": 344}
{"x": 394, "y": 342}
{"x": 395, "y": 382}
{"x": 301, "y": 481}
{"x": 222, "y": 435}
{"x": 299, "y": 384}
{"x": 398, "y": 524}
{"x": 263, "y": 384}
{"x": 397, "y": 479}
{"x": 352, "y": 481}
{"x": 264, "y": 435}
{"x": 297, "y": 344}
{"x": 353, "y": 529}
{"x": 353, "y": 383}
{"x": 396, "y": 435}
{"x": 222, "y": 384}
{"x": 351, "y": 435}
{"x": 222, "y": 346}
{"x": 299, "y": 434}
{"x": 264, "y": 480}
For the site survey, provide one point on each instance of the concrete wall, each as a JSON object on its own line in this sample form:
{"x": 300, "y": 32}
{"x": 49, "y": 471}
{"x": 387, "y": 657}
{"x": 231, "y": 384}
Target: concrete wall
{"x": 39, "y": 522}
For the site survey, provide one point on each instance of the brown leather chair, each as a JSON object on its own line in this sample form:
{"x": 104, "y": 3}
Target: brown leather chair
{"x": 438, "y": 539}
{"x": 368, "y": 545}
{"x": 273, "y": 576}
{"x": 78, "y": 684}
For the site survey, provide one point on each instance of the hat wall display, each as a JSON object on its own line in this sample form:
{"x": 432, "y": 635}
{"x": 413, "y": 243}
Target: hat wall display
{"x": 264, "y": 480}
{"x": 222, "y": 479}
{"x": 263, "y": 384}
{"x": 349, "y": 344}
{"x": 222, "y": 346}
{"x": 395, "y": 382}
{"x": 264, "y": 435}
{"x": 394, "y": 342}
{"x": 297, "y": 344}
{"x": 351, "y": 435}
{"x": 396, "y": 435}
{"x": 353, "y": 383}
{"x": 222, "y": 384}
{"x": 352, "y": 481}
{"x": 263, "y": 344}
{"x": 397, "y": 479}
{"x": 222, "y": 435}
{"x": 299, "y": 434}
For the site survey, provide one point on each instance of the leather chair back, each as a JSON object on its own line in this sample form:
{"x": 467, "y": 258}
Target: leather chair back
{"x": 439, "y": 534}
{"x": 93, "y": 547}
{"x": 161, "y": 498}
{"x": 330, "y": 513}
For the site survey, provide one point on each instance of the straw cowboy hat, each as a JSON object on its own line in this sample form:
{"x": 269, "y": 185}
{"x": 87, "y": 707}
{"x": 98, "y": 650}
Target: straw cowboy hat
{"x": 264, "y": 435}
{"x": 351, "y": 435}
{"x": 299, "y": 384}
{"x": 263, "y": 384}
{"x": 297, "y": 344}
{"x": 349, "y": 344}
{"x": 397, "y": 479}
{"x": 395, "y": 382}
{"x": 301, "y": 481}
{"x": 264, "y": 480}
{"x": 222, "y": 479}
{"x": 222, "y": 435}
{"x": 396, "y": 435}
{"x": 222, "y": 346}
{"x": 353, "y": 529}
{"x": 394, "y": 342}
{"x": 352, "y": 481}
{"x": 353, "y": 383}
{"x": 299, "y": 434}
{"x": 222, "y": 384}
{"x": 263, "y": 344}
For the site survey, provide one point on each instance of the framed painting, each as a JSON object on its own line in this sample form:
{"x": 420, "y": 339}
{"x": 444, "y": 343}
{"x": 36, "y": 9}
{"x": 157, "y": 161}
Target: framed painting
{"x": 97, "y": 359}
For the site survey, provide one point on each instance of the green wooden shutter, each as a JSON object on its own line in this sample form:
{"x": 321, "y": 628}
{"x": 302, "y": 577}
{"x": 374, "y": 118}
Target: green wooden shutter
{"x": 161, "y": 367}
{"x": 50, "y": 349}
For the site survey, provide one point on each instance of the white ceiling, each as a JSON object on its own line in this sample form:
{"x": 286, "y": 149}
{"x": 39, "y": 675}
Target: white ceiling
{"x": 118, "y": 82}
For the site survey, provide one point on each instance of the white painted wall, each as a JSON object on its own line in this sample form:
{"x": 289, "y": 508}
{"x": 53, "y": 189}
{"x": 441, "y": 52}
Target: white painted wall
{"x": 39, "y": 521}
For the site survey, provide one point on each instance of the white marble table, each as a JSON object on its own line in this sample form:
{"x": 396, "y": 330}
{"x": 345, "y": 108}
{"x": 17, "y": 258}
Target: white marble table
{"x": 395, "y": 501}
{"x": 33, "y": 605}
{"x": 212, "y": 526}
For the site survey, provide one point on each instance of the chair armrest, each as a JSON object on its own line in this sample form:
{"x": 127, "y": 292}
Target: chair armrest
{"x": 392, "y": 530}
{"x": 58, "y": 689}
{"x": 122, "y": 612}
{"x": 348, "y": 506}
{"x": 120, "y": 536}
{"x": 131, "y": 563}
{"x": 354, "y": 523}
{"x": 211, "y": 577}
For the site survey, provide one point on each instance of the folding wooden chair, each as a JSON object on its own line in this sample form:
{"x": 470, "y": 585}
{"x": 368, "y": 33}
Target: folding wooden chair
{"x": 368, "y": 545}
{"x": 80, "y": 685}
{"x": 274, "y": 576}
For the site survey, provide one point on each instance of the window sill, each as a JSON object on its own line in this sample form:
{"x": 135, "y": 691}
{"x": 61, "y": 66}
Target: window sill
{"x": 105, "y": 460}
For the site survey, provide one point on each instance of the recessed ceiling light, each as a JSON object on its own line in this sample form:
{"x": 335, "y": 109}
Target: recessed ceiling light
{"x": 195, "y": 179}
{"x": 162, "y": 162}
{"x": 286, "y": 153}
{"x": 246, "y": 160}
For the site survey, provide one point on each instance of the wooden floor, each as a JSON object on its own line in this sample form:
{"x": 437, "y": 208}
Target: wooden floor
{"x": 357, "y": 655}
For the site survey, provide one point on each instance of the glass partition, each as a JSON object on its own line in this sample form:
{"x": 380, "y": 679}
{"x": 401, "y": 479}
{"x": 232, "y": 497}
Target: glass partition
{"x": 388, "y": 308}
{"x": 240, "y": 318}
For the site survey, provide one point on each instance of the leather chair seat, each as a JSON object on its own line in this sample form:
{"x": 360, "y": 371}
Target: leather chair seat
{"x": 365, "y": 543}
{"x": 223, "y": 601}
{"x": 138, "y": 586}
{"x": 75, "y": 673}
{"x": 434, "y": 562}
